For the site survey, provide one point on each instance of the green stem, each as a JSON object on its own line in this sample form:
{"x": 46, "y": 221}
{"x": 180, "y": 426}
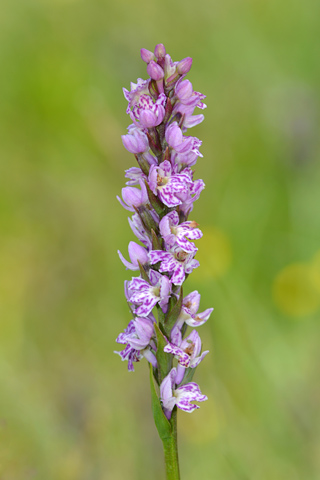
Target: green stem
{"x": 170, "y": 447}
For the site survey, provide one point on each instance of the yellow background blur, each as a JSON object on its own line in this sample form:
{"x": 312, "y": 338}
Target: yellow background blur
{"x": 69, "y": 410}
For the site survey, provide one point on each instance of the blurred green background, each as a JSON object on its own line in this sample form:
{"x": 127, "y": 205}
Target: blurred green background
{"x": 69, "y": 410}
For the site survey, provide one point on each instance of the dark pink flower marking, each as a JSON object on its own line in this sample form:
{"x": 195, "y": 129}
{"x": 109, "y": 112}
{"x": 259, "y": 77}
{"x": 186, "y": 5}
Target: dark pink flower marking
{"x": 175, "y": 234}
{"x": 189, "y": 311}
{"x": 172, "y": 188}
{"x": 137, "y": 337}
{"x": 176, "y": 262}
{"x": 147, "y": 295}
{"x": 181, "y": 396}
{"x": 187, "y": 350}
{"x": 148, "y": 113}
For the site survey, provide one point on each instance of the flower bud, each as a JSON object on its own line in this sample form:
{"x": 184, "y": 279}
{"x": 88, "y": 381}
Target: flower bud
{"x": 160, "y": 51}
{"x": 155, "y": 71}
{"x": 148, "y": 119}
{"x": 144, "y": 331}
{"x": 183, "y": 90}
{"x": 146, "y": 55}
{"x": 184, "y": 66}
{"x": 173, "y": 135}
{"x": 185, "y": 146}
{"x": 137, "y": 142}
{"x": 137, "y": 252}
{"x": 132, "y": 197}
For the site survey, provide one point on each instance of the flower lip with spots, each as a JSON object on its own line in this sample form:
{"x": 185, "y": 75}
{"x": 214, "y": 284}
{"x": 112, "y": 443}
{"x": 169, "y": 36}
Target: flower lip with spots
{"x": 181, "y": 396}
{"x": 147, "y": 113}
{"x": 188, "y": 351}
{"x": 174, "y": 233}
{"x": 172, "y": 188}
{"x": 147, "y": 295}
{"x": 137, "y": 89}
{"x": 176, "y": 262}
{"x": 189, "y": 311}
{"x": 137, "y": 337}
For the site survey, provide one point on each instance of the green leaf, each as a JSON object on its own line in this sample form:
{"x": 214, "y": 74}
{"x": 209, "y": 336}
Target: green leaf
{"x": 146, "y": 217}
{"x": 156, "y": 243}
{"x": 173, "y": 312}
{"x": 161, "y": 315}
{"x": 159, "y": 207}
{"x": 188, "y": 376}
{"x": 164, "y": 359}
{"x": 161, "y": 421}
{"x": 143, "y": 164}
{"x": 183, "y": 329}
{"x": 143, "y": 273}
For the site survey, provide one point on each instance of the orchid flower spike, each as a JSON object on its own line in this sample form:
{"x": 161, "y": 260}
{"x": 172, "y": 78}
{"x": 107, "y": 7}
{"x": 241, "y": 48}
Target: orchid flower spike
{"x": 160, "y": 193}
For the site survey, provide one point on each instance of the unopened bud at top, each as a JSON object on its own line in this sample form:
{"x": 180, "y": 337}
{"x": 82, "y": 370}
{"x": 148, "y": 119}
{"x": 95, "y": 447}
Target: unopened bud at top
{"x": 155, "y": 71}
{"x": 184, "y": 66}
{"x": 146, "y": 55}
{"x": 160, "y": 51}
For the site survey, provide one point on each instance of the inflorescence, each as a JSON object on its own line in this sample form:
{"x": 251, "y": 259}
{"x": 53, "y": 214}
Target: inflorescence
{"x": 161, "y": 109}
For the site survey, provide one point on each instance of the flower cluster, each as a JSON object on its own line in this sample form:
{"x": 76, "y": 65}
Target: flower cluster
{"x": 160, "y": 193}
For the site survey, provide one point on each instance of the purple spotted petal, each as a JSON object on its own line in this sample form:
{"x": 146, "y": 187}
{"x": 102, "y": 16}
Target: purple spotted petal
{"x": 172, "y": 193}
{"x": 187, "y": 393}
{"x": 178, "y": 276}
{"x": 186, "y": 406}
{"x": 185, "y": 244}
{"x": 191, "y": 232}
{"x": 191, "y": 265}
{"x": 172, "y": 188}
{"x": 200, "y": 319}
{"x": 122, "y": 338}
{"x": 197, "y": 188}
{"x": 176, "y": 336}
{"x": 134, "y": 174}
{"x": 192, "y": 301}
{"x": 137, "y": 283}
{"x": 194, "y": 340}
{"x": 158, "y": 256}
{"x": 184, "y": 358}
{"x": 131, "y": 355}
{"x": 155, "y": 277}
{"x": 165, "y": 292}
{"x": 145, "y": 308}
{"x": 137, "y": 90}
